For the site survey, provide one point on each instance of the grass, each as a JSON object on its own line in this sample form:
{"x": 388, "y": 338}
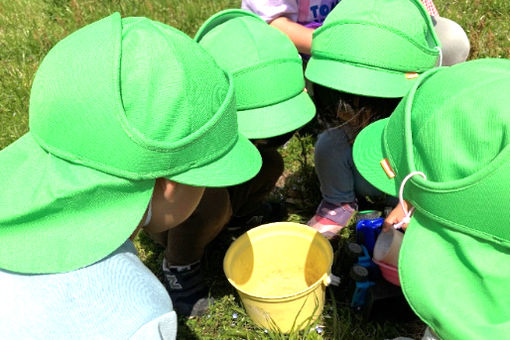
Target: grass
{"x": 28, "y": 29}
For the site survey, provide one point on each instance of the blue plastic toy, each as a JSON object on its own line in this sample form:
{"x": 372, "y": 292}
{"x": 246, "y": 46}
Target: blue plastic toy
{"x": 367, "y": 232}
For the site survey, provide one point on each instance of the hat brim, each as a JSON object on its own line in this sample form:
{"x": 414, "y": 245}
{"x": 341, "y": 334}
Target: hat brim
{"x": 56, "y": 216}
{"x": 359, "y": 79}
{"x": 368, "y": 152}
{"x": 277, "y": 119}
{"x": 456, "y": 283}
{"x": 238, "y": 165}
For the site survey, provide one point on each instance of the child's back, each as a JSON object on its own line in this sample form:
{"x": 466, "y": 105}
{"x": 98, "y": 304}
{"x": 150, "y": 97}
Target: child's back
{"x": 69, "y": 305}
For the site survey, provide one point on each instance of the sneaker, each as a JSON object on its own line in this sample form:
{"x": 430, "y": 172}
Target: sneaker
{"x": 185, "y": 284}
{"x": 266, "y": 213}
{"x": 330, "y": 219}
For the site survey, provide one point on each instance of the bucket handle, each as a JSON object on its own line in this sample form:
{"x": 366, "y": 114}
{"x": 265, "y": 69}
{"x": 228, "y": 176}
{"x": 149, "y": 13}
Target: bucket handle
{"x": 331, "y": 279}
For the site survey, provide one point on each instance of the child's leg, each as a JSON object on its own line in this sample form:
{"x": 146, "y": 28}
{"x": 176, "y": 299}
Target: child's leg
{"x": 335, "y": 169}
{"x": 247, "y": 198}
{"x": 184, "y": 248}
{"x": 185, "y": 244}
{"x": 334, "y": 166}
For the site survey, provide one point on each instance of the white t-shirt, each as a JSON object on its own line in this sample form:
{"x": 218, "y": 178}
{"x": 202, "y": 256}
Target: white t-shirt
{"x": 115, "y": 298}
{"x": 303, "y": 12}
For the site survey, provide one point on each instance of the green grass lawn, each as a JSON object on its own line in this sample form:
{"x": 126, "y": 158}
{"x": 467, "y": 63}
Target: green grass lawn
{"x": 29, "y": 28}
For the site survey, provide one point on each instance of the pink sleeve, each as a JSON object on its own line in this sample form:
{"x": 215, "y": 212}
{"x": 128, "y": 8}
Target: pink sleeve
{"x": 431, "y": 8}
{"x": 272, "y": 9}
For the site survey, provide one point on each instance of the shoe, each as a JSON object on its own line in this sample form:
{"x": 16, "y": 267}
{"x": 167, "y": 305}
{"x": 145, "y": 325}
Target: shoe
{"x": 330, "y": 219}
{"x": 185, "y": 284}
{"x": 267, "y": 212}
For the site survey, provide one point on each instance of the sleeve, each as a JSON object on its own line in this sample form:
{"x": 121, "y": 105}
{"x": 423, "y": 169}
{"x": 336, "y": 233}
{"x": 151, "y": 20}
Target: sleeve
{"x": 164, "y": 328}
{"x": 272, "y": 9}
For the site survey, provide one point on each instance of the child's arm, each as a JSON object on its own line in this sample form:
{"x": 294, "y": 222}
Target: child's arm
{"x": 300, "y": 35}
{"x": 283, "y": 15}
{"x": 395, "y": 216}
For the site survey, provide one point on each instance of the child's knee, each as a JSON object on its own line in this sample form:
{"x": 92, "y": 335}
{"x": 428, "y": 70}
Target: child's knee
{"x": 332, "y": 143}
{"x": 215, "y": 208}
{"x": 272, "y": 163}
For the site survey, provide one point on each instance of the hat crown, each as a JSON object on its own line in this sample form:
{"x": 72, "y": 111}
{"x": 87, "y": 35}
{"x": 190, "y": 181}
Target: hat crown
{"x": 267, "y": 72}
{"x": 157, "y": 85}
{"x": 405, "y": 16}
{"x": 391, "y": 34}
{"x": 246, "y": 42}
{"x": 383, "y": 45}
{"x": 122, "y": 96}
{"x": 263, "y": 61}
{"x": 466, "y": 126}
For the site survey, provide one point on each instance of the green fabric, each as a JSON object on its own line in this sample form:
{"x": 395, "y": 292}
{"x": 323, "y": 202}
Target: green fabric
{"x": 113, "y": 106}
{"x": 373, "y": 47}
{"x": 267, "y": 72}
{"x": 455, "y": 282}
{"x": 164, "y": 143}
{"x": 56, "y": 216}
{"x": 454, "y": 126}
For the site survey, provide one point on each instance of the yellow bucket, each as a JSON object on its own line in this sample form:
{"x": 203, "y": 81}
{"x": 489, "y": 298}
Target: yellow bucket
{"x": 280, "y": 271}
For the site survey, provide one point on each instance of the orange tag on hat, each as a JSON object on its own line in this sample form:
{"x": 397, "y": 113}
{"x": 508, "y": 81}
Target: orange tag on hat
{"x": 412, "y": 75}
{"x": 387, "y": 168}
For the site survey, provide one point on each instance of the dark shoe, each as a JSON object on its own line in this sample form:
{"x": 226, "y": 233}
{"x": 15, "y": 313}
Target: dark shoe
{"x": 189, "y": 294}
{"x": 267, "y": 212}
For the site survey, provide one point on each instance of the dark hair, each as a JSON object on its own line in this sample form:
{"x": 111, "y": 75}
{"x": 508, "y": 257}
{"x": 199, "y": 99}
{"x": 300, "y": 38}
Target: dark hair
{"x": 342, "y": 109}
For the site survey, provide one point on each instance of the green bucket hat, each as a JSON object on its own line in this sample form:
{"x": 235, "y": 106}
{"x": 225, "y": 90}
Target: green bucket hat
{"x": 454, "y": 127}
{"x": 267, "y": 72}
{"x": 113, "y": 106}
{"x": 373, "y": 48}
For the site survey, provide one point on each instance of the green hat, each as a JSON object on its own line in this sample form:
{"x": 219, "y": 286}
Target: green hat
{"x": 454, "y": 127}
{"x": 373, "y": 48}
{"x": 113, "y": 106}
{"x": 267, "y": 72}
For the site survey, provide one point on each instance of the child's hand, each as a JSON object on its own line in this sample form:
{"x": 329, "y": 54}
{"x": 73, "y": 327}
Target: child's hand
{"x": 395, "y": 216}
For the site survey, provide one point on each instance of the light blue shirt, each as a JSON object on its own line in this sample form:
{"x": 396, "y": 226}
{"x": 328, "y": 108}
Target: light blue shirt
{"x": 115, "y": 298}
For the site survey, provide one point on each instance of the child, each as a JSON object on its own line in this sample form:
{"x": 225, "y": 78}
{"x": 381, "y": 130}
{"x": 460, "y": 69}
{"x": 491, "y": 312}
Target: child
{"x": 271, "y": 104}
{"x": 375, "y": 56}
{"x": 117, "y": 116}
{"x": 446, "y": 151}
{"x": 299, "y": 18}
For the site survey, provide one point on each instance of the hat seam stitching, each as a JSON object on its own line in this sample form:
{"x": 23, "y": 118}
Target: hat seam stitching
{"x": 135, "y": 176}
{"x": 137, "y": 138}
{"x": 458, "y": 184}
{"x": 271, "y": 102}
{"x": 181, "y": 144}
{"x": 252, "y": 38}
{"x": 461, "y": 227}
{"x": 462, "y": 92}
{"x": 264, "y": 64}
{"x": 337, "y": 57}
{"x": 409, "y": 101}
{"x": 488, "y": 171}
{"x": 428, "y": 50}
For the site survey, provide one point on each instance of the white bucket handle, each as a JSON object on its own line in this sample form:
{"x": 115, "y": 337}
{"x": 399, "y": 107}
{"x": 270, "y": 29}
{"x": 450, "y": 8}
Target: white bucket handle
{"x": 331, "y": 279}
